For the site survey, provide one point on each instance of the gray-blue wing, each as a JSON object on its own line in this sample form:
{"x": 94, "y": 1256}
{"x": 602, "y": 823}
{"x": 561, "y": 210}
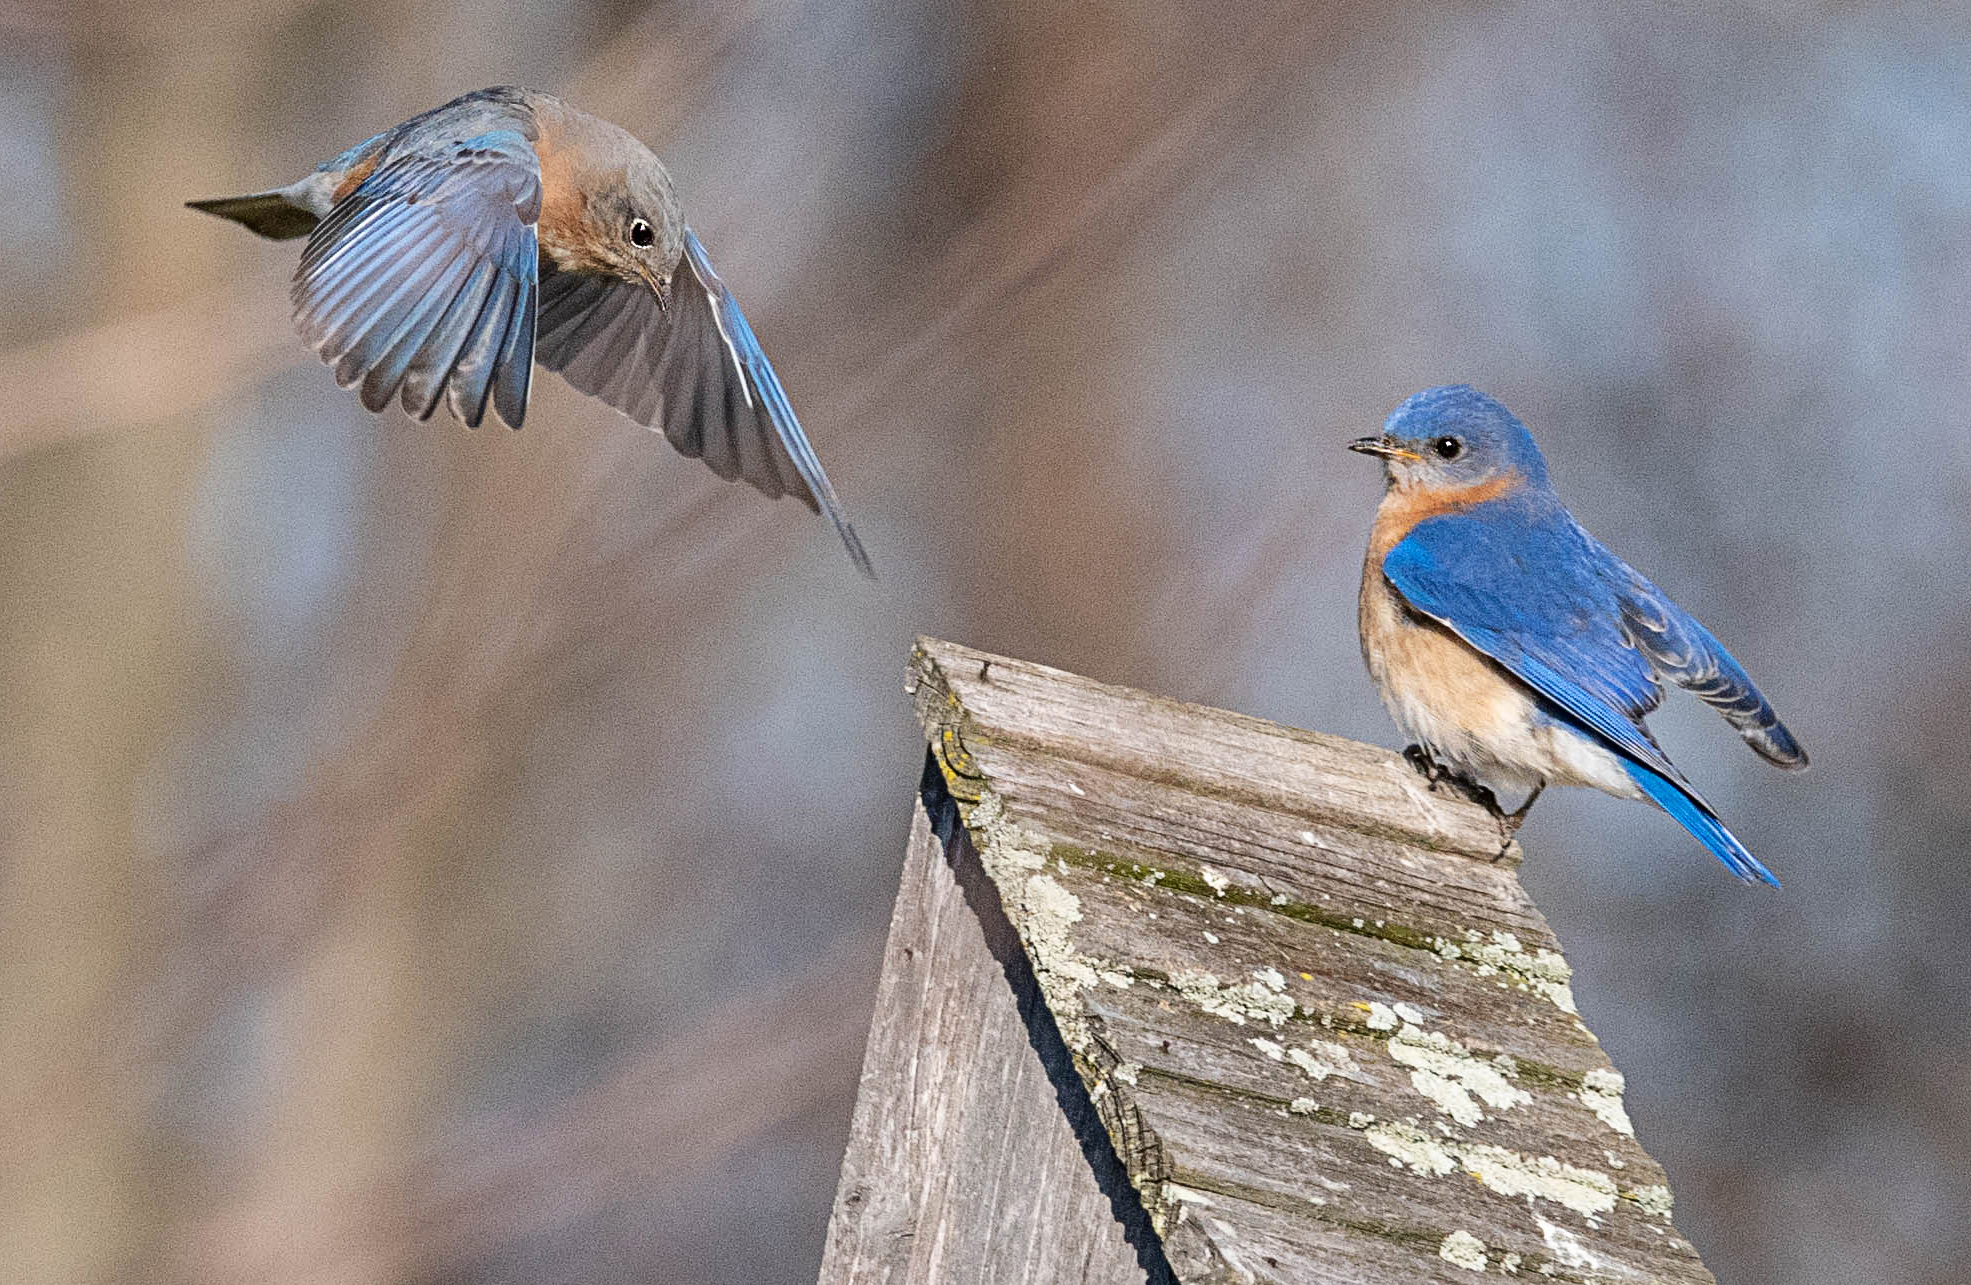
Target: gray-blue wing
{"x": 1686, "y": 653}
{"x": 696, "y": 372}
{"x": 421, "y": 284}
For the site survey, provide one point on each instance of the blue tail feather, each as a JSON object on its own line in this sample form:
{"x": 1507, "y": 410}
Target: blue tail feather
{"x": 1697, "y": 819}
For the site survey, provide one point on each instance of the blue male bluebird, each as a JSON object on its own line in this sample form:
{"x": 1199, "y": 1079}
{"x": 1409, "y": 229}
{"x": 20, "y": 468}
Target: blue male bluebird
{"x": 447, "y": 255}
{"x": 1513, "y": 645}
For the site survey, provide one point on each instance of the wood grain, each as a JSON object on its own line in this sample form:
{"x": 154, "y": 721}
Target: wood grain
{"x": 970, "y": 1153}
{"x": 1328, "y": 1036}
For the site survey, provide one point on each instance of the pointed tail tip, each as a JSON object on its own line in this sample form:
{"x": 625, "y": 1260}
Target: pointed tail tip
{"x": 270, "y": 214}
{"x": 1760, "y": 875}
{"x": 857, "y": 554}
{"x": 1704, "y": 826}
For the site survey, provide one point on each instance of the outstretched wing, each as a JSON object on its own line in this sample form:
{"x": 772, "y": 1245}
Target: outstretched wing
{"x": 695, "y": 371}
{"x": 422, "y": 281}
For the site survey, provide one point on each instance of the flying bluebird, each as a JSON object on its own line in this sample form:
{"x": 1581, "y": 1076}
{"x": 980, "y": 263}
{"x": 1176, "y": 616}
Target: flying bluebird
{"x": 447, "y": 255}
{"x": 1516, "y": 647}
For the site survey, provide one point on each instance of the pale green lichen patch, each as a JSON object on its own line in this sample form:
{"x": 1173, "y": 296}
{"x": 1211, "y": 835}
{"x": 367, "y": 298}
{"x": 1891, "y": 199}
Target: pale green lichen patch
{"x": 1045, "y": 912}
{"x": 1601, "y": 1093}
{"x": 1510, "y": 1173}
{"x": 1444, "y": 1071}
{"x": 1407, "y": 1145}
{"x": 1542, "y": 972}
{"x": 1462, "y": 1249}
{"x": 1271, "y": 1048}
{"x": 1381, "y": 1016}
{"x": 1303, "y": 1106}
{"x": 1585, "y": 1191}
{"x": 1567, "y": 1249}
{"x": 1262, "y": 999}
{"x": 1003, "y": 846}
{"x": 1654, "y": 1201}
{"x": 1321, "y": 1059}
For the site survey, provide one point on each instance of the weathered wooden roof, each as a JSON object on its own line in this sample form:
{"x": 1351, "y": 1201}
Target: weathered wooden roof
{"x": 1325, "y": 1031}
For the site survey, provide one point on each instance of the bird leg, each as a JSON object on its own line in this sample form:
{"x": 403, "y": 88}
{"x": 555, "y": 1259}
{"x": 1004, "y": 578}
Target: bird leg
{"x": 1439, "y": 773}
{"x": 1509, "y": 822}
{"x": 1517, "y": 817}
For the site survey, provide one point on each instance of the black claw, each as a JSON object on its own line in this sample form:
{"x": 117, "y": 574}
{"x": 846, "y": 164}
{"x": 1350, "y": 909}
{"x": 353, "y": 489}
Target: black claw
{"x": 1477, "y": 793}
{"x": 1439, "y": 773}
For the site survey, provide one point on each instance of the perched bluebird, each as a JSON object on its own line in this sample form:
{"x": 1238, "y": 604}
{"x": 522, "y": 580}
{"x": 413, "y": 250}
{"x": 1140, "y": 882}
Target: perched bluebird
{"x": 447, "y": 255}
{"x": 1514, "y": 646}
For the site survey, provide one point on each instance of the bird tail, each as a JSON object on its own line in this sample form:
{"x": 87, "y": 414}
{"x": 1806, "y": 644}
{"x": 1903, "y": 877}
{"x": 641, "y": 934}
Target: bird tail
{"x": 1695, "y": 816}
{"x": 1686, "y": 653}
{"x": 271, "y": 214}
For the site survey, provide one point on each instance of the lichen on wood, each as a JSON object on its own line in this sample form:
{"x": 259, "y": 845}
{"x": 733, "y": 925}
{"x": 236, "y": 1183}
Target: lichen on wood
{"x": 1324, "y": 1029}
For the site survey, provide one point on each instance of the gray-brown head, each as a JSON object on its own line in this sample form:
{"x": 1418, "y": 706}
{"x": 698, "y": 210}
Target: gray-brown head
{"x": 607, "y": 205}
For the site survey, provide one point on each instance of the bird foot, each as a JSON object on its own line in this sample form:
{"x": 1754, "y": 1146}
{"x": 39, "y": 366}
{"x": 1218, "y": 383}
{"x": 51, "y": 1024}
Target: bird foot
{"x": 1438, "y": 773}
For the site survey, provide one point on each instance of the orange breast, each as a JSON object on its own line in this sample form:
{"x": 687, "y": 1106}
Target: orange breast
{"x": 1402, "y": 509}
{"x": 1435, "y": 683}
{"x": 567, "y": 174}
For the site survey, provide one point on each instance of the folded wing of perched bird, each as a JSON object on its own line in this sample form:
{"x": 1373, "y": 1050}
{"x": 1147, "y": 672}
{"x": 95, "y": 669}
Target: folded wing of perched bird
{"x": 447, "y": 255}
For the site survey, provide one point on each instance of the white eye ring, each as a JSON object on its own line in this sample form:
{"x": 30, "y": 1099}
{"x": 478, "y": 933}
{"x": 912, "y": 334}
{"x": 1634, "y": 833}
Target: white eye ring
{"x": 642, "y": 234}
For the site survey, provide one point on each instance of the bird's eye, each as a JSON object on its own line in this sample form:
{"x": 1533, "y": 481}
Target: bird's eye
{"x": 1447, "y": 447}
{"x": 641, "y": 234}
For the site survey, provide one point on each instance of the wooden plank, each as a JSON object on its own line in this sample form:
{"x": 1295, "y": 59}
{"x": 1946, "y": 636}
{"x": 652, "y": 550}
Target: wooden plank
{"x": 969, "y": 1158}
{"x": 1325, "y": 1030}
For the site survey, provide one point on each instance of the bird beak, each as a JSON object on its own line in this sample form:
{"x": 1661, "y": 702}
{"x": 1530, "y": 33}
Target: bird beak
{"x": 662, "y": 289}
{"x": 1383, "y": 447}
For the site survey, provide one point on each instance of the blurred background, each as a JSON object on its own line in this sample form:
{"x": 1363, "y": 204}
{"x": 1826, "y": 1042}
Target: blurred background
{"x": 429, "y": 856}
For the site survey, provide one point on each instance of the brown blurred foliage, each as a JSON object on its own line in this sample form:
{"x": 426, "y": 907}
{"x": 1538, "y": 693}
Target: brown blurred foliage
{"x": 432, "y": 856}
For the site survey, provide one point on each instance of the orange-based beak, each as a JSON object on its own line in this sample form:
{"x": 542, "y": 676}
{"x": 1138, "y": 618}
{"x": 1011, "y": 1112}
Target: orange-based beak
{"x": 1383, "y": 447}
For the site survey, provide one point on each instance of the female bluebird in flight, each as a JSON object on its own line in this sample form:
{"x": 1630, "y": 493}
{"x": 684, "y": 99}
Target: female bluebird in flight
{"x": 447, "y": 255}
{"x": 1513, "y": 645}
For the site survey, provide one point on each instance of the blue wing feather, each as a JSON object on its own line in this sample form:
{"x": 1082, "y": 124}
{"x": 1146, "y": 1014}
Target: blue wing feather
{"x": 421, "y": 281}
{"x": 696, "y": 372}
{"x": 764, "y": 392}
{"x": 1524, "y": 588}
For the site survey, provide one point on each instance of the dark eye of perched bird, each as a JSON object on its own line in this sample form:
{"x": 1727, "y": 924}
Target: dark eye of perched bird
{"x": 1447, "y": 447}
{"x": 641, "y": 234}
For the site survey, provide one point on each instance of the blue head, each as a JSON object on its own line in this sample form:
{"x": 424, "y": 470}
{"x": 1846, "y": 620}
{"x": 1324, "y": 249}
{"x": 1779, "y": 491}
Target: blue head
{"x": 1454, "y": 436}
